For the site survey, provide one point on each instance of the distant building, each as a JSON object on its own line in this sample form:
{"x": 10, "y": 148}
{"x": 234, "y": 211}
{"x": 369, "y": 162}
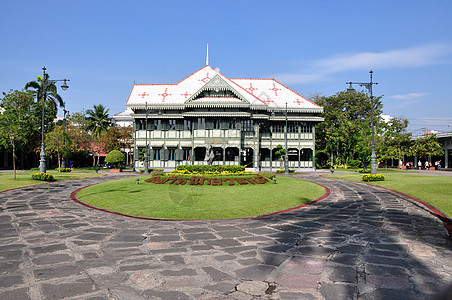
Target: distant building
{"x": 210, "y": 118}
{"x": 123, "y": 119}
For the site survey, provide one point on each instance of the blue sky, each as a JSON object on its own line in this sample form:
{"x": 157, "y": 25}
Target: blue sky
{"x": 311, "y": 46}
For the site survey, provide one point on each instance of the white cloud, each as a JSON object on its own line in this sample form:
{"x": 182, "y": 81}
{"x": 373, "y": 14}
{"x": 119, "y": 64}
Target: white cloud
{"x": 402, "y": 58}
{"x": 408, "y": 96}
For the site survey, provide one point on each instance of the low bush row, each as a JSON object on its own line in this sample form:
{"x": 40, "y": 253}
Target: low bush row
{"x": 63, "y": 169}
{"x": 376, "y": 177}
{"x": 197, "y": 180}
{"x": 193, "y": 169}
{"x": 282, "y": 171}
{"x": 362, "y": 171}
{"x": 42, "y": 176}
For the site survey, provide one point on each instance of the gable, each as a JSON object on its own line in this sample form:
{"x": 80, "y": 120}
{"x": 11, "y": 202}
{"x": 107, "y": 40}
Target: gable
{"x": 217, "y": 89}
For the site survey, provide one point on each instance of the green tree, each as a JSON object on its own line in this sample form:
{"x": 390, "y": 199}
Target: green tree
{"x": 16, "y": 120}
{"x": 348, "y": 115}
{"x": 98, "y": 122}
{"x": 53, "y": 99}
{"x": 115, "y": 158}
{"x": 116, "y": 138}
{"x": 281, "y": 152}
{"x": 58, "y": 142}
{"x": 395, "y": 140}
{"x": 427, "y": 147}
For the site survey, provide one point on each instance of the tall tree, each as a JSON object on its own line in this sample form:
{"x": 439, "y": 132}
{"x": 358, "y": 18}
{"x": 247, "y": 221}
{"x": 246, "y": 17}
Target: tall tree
{"x": 116, "y": 138}
{"x": 98, "y": 123}
{"x": 57, "y": 142}
{"x": 395, "y": 140}
{"x": 427, "y": 147}
{"x": 98, "y": 120}
{"x": 348, "y": 116}
{"x": 16, "y": 120}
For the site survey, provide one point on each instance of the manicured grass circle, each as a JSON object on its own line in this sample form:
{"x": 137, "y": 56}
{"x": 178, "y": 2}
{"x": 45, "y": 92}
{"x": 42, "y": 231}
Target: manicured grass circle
{"x": 199, "y": 202}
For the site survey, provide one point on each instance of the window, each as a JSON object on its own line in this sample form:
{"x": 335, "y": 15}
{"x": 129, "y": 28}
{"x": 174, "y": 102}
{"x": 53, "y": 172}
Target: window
{"x": 247, "y": 125}
{"x": 156, "y": 153}
{"x": 157, "y": 125}
{"x": 172, "y": 125}
{"x": 216, "y": 123}
{"x": 171, "y": 153}
{"x": 201, "y": 123}
{"x": 186, "y": 154}
{"x": 187, "y": 125}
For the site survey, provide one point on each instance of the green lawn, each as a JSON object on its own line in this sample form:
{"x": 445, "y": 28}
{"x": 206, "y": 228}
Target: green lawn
{"x": 24, "y": 179}
{"x": 199, "y": 202}
{"x": 436, "y": 190}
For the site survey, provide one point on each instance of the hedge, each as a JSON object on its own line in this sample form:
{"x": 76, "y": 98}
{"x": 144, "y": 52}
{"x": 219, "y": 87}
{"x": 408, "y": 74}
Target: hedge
{"x": 195, "y": 180}
{"x": 377, "y": 177}
{"x": 362, "y": 171}
{"x": 201, "y": 169}
{"x": 43, "y": 176}
{"x": 63, "y": 169}
{"x": 282, "y": 171}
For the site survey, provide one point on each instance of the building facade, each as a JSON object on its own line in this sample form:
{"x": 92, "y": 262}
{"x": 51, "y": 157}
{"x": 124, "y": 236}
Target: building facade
{"x": 208, "y": 118}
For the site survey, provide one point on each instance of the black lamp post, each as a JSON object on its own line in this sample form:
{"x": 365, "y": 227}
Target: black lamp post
{"x": 45, "y": 84}
{"x": 368, "y": 86}
{"x": 65, "y": 112}
{"x": 331, "y": 157}
{"x": 146, "y": 159}
{"x": 286, "y": 157}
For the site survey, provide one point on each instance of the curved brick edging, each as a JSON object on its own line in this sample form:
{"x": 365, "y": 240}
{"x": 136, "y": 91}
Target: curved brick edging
{"x": 74, "y": 197}
{"x": 447, "y": 221}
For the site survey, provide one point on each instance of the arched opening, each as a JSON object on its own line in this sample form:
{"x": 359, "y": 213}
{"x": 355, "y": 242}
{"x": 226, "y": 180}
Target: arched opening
{"x": 218, "y": 154}
{"x": 265, "y": 154}
{"x": 293, "y": 154}
{"x": 232, "y": 154}
{"x": 200, "y": 153}
{"x": 247, "y": 157}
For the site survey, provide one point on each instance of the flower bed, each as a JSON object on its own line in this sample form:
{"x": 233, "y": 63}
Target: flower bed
{"x": 43, "y": 176}
{"x": 200, "y": 180}
{"x": 376, "y": 177}
{"x": 204, "y": 169}
{"x": 362, "y": 171}
{"x": 63, "y": 170}
{"x": 281, "y": 171}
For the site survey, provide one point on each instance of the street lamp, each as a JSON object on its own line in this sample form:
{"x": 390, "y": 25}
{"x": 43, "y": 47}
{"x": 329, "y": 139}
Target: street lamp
{"x": 65, "y": 112}
{"x": 286, "y": 157}
{"x": 331, "y": 157}
{"x": 368, "y": 86}
{"x": 45, "y": 84}
{"x": 146, "y": 167}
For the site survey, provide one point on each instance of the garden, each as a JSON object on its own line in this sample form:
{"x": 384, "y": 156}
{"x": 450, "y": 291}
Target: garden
{"x": 201, "y": 192}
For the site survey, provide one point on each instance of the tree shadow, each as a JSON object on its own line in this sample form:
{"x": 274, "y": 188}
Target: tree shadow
{"x": 371, "y": 244}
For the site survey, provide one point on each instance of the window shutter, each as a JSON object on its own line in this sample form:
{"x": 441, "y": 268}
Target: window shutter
{"x": 179, "y": 154}
{"x": 165, "y": 154}
{"x": 151, "y": 155}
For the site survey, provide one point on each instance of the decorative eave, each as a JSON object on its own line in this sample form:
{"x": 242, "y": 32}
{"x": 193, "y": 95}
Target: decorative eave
{"x": 159, "y": 116}
{"x": 213, "y": 114}
{"x": 297, "y": 118}
{"x": 216, "y": 104}
{"x": 313, "y": 110}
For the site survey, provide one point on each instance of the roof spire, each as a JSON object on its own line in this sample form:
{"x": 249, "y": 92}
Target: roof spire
{"x": 207, "y": 57}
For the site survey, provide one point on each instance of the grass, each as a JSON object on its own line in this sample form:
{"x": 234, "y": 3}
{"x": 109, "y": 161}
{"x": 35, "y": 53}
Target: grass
{"x": 435, "y": 190}
{"x": 24, "y": 178}
{"x": 199, "y": 202}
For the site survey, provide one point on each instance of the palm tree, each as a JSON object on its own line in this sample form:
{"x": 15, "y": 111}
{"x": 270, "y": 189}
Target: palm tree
{"x": 98, "y": 123}
{"x": 51, "y": 90}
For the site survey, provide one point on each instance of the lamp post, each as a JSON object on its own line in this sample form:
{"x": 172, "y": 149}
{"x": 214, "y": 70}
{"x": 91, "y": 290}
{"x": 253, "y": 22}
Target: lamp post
{"x": 146, "y": 167}
{"x": 63, "y": 164}
{"x": 286, "y": 157}
{"x": 45, "y": 84}
{"x": 368, "y": 86}
{"x": 331, "y": 157}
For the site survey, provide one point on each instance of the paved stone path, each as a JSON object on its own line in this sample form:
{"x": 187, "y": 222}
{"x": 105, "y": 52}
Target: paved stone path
{"x": 359, "y": 243}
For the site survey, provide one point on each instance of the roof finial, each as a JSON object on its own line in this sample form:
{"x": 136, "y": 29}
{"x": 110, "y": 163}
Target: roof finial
{"x": 207, "y": 57}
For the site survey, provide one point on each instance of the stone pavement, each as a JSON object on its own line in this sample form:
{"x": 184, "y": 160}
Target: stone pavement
{"x": 360, "y": 242}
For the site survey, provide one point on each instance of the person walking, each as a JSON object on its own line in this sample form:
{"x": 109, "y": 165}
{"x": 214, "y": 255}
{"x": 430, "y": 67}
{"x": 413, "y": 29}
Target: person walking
{"x": 426, "y": 165}
{"x": 419, "y": 164}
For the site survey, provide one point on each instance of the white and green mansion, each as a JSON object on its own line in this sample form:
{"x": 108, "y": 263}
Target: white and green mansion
{"x": 208, "y": 118}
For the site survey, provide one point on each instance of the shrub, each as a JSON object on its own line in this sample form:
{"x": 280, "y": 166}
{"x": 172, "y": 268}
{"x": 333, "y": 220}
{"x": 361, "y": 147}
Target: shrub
{"x": 115, "y": 158}
{"x": 376, "y": 177}
{"x": 43, "y": 176}
{"x": 269, "y": 175}
{"x": 204, "y": 169}
{"x": 362, "y": 171}
{"x": 34, "y": 169}
{"x": 355, "y": 164}
{"x": 282, "y": 171}
{"x": 63, "y": 169}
